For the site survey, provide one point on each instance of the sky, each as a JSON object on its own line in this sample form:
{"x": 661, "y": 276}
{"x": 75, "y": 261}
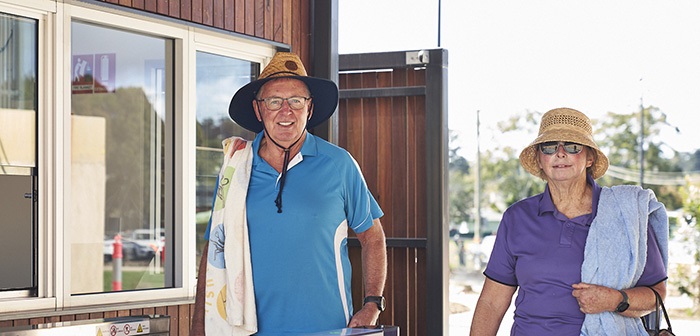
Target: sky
{"x": 509, "y": 57}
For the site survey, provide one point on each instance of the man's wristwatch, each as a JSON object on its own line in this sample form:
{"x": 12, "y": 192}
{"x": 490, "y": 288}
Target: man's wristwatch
{"x": 379, "y": 300}
{"x": 622, "y": 306}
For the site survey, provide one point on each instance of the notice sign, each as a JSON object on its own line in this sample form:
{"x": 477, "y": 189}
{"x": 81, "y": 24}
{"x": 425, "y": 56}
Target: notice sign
{"x": 93, "y": 73}
{"x": 83, "y": 81}
{"x": 104, "y": 72}
{"x": 123, "y": 329}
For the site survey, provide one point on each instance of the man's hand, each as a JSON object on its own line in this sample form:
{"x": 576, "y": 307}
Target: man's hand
{"x": 367, "y": 316}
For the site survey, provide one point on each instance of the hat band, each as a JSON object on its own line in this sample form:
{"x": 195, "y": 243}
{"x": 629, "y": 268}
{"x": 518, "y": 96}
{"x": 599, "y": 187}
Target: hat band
{"x": 276, "y": 74}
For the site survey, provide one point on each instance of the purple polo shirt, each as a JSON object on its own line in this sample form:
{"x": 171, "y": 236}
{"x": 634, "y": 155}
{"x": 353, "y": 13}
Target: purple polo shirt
{"x": 539, "y": 250}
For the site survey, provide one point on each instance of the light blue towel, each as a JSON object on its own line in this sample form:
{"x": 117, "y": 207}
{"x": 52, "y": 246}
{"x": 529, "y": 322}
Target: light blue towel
{"x": 616, "y": 250}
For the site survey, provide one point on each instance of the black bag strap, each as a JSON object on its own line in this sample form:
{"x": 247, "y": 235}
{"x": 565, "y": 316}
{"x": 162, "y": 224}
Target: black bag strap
{"x": 660, "y": 307}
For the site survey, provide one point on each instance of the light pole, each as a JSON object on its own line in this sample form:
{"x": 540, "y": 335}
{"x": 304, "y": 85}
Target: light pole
{"x": 641, "y": 142}
{"x": 477, "y": 191}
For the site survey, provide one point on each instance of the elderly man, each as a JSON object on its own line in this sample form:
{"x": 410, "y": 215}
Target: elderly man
{"x": 301, "y": 196}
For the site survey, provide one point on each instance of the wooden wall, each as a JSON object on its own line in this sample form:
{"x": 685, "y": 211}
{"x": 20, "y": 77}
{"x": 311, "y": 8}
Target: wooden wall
{"x": 179, "y": 317}
{"x": 386, "y": 135}
{"x": 283, "y": 21}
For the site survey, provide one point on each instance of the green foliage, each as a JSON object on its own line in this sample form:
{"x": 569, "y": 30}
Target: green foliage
{"x": 685, "y": 277}
{"x": 618, "y": 136}
{"x": 505, "y": 175}
{"x": 461, "y": 185}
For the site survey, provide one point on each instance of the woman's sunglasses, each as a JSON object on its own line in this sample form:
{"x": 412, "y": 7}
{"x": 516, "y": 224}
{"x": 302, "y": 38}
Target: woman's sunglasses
{"x": 552, "y": 147}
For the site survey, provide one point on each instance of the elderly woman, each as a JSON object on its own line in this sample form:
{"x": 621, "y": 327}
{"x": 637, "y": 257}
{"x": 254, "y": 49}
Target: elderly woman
{"x": 582, "y": 257}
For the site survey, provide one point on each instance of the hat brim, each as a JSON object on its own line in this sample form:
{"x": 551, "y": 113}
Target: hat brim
{"x": 528, "y": 156}
{"x": 324, "y": 98}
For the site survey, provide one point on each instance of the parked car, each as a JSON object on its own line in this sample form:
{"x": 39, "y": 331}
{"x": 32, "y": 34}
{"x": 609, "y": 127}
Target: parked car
{"x": 131, "y": 250}
{"x": 146, "y": 237}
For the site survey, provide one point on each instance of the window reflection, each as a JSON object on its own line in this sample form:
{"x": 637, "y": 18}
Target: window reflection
{"x": 218, "y": 78}
{"x": 119, "y": 160}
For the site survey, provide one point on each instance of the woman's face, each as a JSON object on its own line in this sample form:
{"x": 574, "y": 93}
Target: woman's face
{"x": 561, "y": 165}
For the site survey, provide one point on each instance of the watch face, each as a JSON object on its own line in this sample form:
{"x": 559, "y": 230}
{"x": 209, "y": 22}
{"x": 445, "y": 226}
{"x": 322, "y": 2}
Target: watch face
{"x": 622, "y": 307}
{"x": 624, "y": 304}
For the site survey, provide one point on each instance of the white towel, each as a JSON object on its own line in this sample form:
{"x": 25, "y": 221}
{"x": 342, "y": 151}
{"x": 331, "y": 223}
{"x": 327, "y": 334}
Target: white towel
{"x": 230, "y": 299}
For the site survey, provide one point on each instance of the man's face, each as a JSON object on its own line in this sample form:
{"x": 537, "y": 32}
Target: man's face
{"x": 286, "y": 124}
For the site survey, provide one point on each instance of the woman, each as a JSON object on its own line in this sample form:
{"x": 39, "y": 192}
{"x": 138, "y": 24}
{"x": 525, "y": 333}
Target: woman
{"x": 574, "y": 253}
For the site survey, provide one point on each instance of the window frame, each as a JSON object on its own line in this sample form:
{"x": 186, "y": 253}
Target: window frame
{"x": 41, "y": 11}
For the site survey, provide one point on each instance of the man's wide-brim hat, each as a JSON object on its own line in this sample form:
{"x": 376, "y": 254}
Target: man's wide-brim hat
{"x": 324, "y": 93}
{"x": 565, "y": 125}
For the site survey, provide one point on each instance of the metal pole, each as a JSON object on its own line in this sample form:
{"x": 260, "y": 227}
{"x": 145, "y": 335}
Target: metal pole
{"x": 477, "y": 188}
{"x": 641, "y": 143}
{"x": 439, "y": 22}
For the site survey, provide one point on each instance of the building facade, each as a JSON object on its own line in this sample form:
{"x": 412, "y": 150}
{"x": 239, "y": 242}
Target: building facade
{"x": 111, "y": 120}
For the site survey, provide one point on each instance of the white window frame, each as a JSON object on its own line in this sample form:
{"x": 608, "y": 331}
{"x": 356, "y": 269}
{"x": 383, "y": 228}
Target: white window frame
{"x": 54, "y": 69}
{"x": 43, "y": 12}
{"x": 222, "y": 45}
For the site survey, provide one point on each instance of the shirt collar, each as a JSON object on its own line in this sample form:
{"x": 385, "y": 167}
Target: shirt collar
{"x": 308, "y": 148}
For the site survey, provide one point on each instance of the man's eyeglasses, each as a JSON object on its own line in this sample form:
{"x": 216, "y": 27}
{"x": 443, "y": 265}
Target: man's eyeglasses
{"x": 275, "y": 103}
{"x": 552, "y": 147}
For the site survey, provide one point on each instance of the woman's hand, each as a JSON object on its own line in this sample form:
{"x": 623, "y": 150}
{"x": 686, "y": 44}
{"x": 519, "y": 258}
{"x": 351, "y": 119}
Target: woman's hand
{"x": 594, "y": 299}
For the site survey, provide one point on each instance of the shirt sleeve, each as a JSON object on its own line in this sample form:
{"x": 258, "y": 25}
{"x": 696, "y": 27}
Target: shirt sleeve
{"x": 501, "y": 265}
{"x": 654, "y": 270}
{"x": 360, "y": 206}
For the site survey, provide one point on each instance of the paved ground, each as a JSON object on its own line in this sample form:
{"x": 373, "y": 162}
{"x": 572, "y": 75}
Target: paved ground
{"x": 465, "y": 287}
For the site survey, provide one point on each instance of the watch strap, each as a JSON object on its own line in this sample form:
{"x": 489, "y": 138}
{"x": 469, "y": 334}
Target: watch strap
{"x": 624, "y": 304}
{"x": 378, "y": 300}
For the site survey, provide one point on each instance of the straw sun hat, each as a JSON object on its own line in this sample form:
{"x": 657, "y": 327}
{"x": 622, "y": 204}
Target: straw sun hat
{"x": 284, "y": 65}
{"x": 566, "y": 125}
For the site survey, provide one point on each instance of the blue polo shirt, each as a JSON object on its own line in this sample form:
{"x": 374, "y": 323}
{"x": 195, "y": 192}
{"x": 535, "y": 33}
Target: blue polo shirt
{"x": 539, "y": 250}
{"x": 301, "y": 269}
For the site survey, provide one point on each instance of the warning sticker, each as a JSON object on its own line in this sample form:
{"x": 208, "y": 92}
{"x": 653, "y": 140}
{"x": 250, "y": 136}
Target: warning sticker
{"x": 124, "y": 329}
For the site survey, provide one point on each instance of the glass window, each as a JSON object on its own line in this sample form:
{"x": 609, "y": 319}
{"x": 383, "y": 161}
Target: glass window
{"x": 18, "y": 110}
{"x": 121, "y": 160}
{"x": 218, "y": 78}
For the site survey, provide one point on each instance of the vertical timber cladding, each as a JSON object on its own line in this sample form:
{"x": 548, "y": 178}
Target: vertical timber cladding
{"x": 393, "y": 119}
{"x": 283, "y": 21}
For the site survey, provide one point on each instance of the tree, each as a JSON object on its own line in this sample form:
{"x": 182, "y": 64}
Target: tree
{"x": 461, "y": 185}
{"x": 502, "y": 170}
{"x": 619, "y": 138}
{"x": 687, "y": 277}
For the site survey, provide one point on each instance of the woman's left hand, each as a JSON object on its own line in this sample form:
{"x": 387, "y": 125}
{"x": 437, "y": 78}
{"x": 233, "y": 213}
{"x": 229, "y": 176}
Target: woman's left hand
{"x": 594, "y": 299}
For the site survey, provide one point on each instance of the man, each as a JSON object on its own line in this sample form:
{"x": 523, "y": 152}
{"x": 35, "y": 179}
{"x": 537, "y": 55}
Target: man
{"x": 303, "y": 193}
